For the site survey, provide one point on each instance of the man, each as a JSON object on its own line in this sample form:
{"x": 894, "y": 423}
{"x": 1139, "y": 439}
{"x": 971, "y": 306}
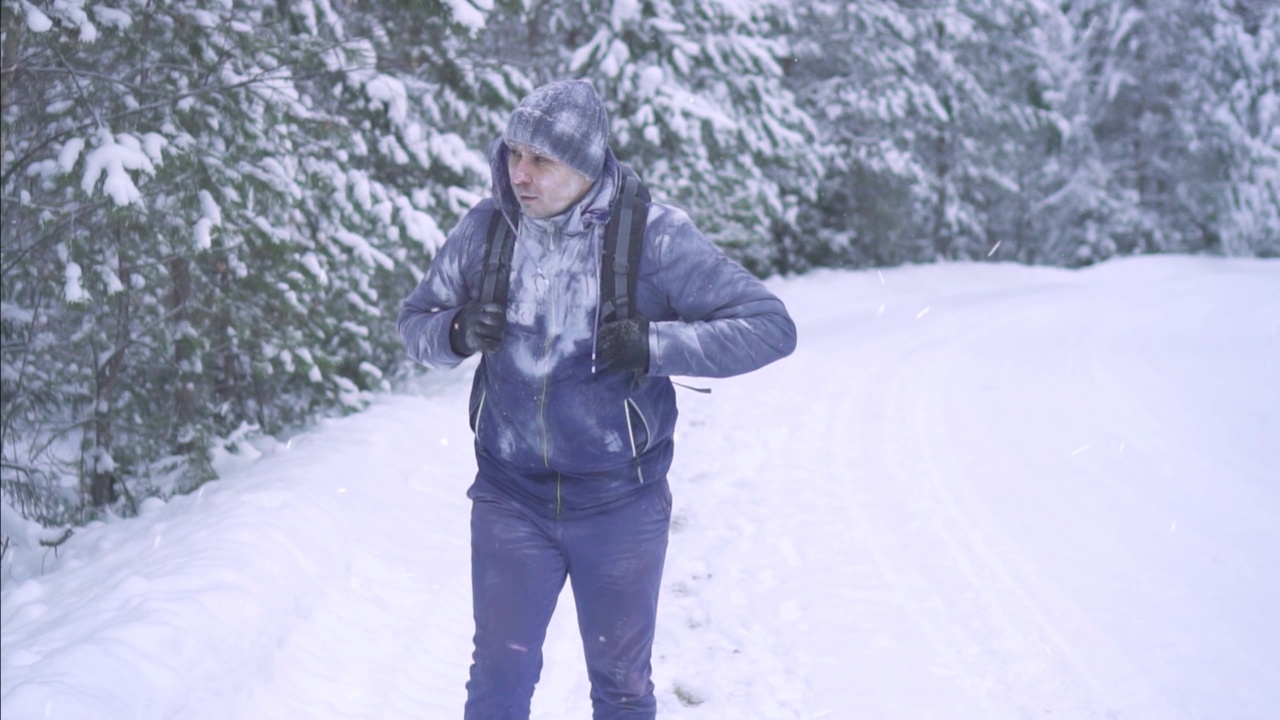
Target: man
{"x": 573, "y": 418}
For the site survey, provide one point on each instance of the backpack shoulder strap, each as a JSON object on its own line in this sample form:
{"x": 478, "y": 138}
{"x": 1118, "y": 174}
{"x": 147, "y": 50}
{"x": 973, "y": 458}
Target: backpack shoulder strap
{"x": 623, "y": 241}
{"x": 499, "y": 244}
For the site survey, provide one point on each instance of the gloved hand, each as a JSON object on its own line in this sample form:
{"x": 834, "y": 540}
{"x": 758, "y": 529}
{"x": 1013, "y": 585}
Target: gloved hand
{"x": 624, "y": 345}
{"x": 478, "y": 327}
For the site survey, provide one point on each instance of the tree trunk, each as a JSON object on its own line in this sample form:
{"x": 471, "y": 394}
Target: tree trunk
{"x": 941, "y": 238}
{"x": 184, "y": 399}
{"x": 783, "y": 263}
{"x": 103, "y": 475}
{"x": 13, "y": 30}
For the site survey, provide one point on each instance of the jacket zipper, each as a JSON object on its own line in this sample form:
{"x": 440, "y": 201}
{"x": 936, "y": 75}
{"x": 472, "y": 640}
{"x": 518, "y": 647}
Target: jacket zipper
{"x": 542, "y": 401}
{"x": 542, "y": 421}
{"x": 597, "y": 253}
{"x": 546, "y": 445}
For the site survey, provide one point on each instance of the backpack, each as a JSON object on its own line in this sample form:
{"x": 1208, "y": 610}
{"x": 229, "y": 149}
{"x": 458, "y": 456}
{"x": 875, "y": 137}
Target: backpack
{"x": 619, "y": 259}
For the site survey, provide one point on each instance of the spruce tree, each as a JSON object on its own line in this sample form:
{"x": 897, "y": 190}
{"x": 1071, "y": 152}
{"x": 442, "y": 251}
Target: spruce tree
{"x": 1154, "y": 94}
{"x": 1244, "y": 45}
{"x": 208, "y": 240}
{"x": 698, "y": 106}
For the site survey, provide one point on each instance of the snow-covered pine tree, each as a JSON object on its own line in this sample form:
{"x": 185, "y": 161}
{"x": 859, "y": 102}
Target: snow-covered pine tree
{"x": 84, "y": 271}
{"x": 973, "y": 137}
{"x": 931, "y": 109}
{"x": 1245, "y": 52}
{"x": 456, "y": 99}
{"x": 695, "y": 93}
{"x": 195, "y": 242}
{"x": 1011, "y": 51}
{"x": 1067, "y": 213}
{"x": 856, "y": 75}
{"x": 390, "y": 179}
{"x": 1151, "y": 106}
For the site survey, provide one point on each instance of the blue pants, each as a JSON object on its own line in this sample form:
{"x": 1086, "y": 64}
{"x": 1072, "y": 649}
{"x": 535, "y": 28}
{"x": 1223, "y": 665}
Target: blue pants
{"x": 519, "y": 562}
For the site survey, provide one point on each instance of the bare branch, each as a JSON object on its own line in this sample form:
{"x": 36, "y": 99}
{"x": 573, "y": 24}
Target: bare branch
{"x": 66, "y": 535}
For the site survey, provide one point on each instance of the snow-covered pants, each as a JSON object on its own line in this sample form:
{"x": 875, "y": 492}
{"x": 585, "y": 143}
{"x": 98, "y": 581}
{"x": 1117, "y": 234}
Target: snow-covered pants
{"x": 519, "y": 562}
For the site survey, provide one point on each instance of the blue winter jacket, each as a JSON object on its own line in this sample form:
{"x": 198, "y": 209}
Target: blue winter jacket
{"x": 553, "y": 430}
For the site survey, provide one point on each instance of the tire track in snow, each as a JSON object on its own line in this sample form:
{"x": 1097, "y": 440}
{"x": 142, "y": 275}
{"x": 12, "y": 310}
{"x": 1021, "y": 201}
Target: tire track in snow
{"x": 1006, "y": 634}
{"x": 903, "y": 527}
{"x": 1022, "y": 647}
{"x": 900, "y": 593}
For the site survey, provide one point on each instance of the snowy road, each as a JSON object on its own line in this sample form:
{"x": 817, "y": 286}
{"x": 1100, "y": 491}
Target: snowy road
{"x": 1022, "y": 493}
{"x": 974, "y": 492}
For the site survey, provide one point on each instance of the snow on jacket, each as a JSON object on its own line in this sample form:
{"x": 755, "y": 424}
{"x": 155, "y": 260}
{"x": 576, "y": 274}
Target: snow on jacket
{"x": 552, "y": 430}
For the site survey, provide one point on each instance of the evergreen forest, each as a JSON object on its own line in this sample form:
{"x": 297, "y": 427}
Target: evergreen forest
{"x": 213, "y": 208}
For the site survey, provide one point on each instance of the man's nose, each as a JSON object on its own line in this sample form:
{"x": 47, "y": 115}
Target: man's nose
{"x": 520, "y": 173}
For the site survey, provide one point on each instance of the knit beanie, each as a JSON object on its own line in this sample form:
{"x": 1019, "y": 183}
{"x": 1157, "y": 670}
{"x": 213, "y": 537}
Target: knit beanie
{"x": 566, "y": 120}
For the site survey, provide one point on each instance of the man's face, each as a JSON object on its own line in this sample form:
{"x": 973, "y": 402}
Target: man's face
{"x": 543, "y": 185}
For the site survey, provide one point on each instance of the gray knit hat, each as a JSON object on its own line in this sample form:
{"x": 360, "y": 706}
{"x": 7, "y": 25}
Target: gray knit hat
{"x": 566, "y": 120}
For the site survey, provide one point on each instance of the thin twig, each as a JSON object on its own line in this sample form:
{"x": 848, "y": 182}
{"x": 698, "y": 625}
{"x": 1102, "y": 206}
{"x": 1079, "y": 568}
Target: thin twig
{"x": 66, "y": 535}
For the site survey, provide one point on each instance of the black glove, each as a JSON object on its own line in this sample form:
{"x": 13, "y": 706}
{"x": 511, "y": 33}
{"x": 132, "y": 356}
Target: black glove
{"x": 624, "y": 345}
{"x": 478, "y": 327}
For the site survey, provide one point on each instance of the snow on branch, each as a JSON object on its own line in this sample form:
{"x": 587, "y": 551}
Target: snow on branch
{"x": 114, "y": 157}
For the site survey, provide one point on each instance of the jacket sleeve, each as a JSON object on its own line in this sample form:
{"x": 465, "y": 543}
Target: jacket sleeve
{"x": 426, "y": 314}
{"x": 727, "y": 322}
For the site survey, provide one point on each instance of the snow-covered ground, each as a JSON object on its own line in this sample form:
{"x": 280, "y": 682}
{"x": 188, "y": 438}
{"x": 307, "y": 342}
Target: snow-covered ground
{"x": 974, "y": 491}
